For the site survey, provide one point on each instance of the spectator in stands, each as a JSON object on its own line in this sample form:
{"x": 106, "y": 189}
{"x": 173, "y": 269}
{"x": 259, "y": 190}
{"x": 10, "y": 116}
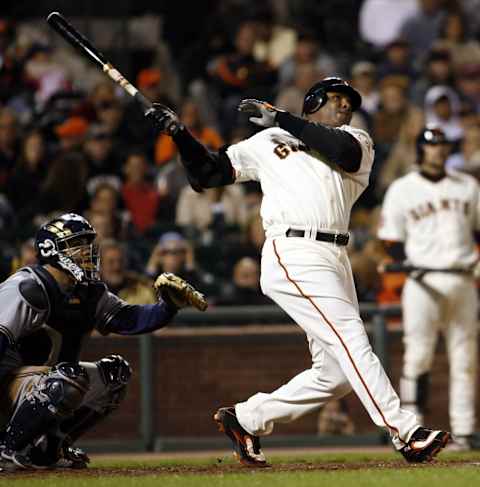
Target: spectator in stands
{"x": 454, "y": 39}
{"x": 133, "y": 288}
{"x": 165, "y": 148}
{"x": 244, "y": 289}
{"x": 9, "y": 146}
{"x": 174, "y": 254}
{"x": 290, "y": 97}
{"x": 71, "y": 134}
{"x": 422, "y": 28}
{"x": 238, "y": 74}
{"x": 208, "y": 214}
{"x": 64, "y": 187}
{"x": 403, "y": 155}
{"x": 468, "y": 158}
{"x": 397, "y": 60}
{"x": 468, "y": 84}
{"x": 442, "y": 107}
{"x": 104, "y": 225}
{"x": 438, "y": 70}
{"x": 28, "y": 174}
{"x": 364, "y": 80}
{"x": 44, "y": 73}
{"x": 395, "y": 109}
{"x": 140, "y": 196}
{"x": 100, "y": 152}
{"x": 106, "y": 200}
{"x": 307, "y": 51}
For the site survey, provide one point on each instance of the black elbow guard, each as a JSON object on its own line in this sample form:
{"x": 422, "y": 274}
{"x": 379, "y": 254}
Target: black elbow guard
{"x": 215, "y": 171}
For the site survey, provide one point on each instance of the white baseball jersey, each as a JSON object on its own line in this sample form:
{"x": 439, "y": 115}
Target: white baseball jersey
{"x": 300, "y": 189}
{"x": 435, "y": 220}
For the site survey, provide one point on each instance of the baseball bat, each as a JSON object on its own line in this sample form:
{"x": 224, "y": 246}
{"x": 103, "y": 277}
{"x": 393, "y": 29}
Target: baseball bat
{"x": 409, "y": 268}
{"x": 58, "y": 22}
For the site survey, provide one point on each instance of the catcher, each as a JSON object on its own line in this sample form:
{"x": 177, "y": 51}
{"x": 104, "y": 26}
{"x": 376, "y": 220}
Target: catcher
{"x": 49, "y": 397}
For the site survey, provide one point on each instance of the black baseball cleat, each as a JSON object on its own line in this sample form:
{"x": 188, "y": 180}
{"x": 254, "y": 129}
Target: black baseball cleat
{"x": 246, "y": 447}
{"x": 424, "y": 445}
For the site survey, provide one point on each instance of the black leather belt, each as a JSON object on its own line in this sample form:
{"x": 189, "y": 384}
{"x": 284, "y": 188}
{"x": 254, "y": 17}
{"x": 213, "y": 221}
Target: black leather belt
{"x": 335, "y": 238}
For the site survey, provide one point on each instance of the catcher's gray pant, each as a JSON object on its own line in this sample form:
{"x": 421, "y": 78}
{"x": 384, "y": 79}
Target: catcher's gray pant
{"x": 25, "y": 380}
{"x": 442, "y": 303}
{"x": 312, "y": 281}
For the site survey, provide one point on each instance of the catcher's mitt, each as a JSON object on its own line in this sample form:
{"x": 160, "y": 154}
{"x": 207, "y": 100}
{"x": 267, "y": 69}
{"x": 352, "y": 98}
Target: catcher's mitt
{"x": 177, "y": 291}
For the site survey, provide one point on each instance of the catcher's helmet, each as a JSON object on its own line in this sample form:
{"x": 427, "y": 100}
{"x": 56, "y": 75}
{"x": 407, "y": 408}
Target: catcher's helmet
{"x": 66, "y": 242}
{"x": 316, "y": 96}
{"x": 430, "y": 135}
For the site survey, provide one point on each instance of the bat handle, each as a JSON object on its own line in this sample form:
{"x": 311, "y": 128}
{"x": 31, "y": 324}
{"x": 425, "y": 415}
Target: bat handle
{"x": 113, "y": 73}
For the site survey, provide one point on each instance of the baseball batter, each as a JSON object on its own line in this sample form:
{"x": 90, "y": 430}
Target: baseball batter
{"x": 431, "y": 216}
{"x": 312, "y": 170}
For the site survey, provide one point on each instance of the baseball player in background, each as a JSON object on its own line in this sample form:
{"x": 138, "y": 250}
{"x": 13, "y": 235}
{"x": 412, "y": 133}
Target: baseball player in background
{"x": 312, "y": 169}
{"x": 429, "y": 218}
{"x": 49, "y": 398}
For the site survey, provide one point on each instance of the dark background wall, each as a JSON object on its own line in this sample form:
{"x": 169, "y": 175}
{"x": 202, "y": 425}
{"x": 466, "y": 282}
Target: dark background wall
{"x": 198, "y": 370}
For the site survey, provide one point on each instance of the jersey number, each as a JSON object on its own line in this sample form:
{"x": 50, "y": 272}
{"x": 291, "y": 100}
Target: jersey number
{"x": 284, "y": 150}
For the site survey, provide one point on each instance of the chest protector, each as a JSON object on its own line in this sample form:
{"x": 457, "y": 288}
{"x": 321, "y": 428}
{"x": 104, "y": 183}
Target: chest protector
{"x": 71, "y": 315}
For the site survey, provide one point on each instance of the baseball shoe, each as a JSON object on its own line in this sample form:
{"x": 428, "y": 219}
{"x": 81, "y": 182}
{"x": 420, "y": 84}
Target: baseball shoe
{"x": 424, "y": 445}
{"x": 12, "y": 461}
{"x": 246, "y": 447}
{"x": 73, "y": 457}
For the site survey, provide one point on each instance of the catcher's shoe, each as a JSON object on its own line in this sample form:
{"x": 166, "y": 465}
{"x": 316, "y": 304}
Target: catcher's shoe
{"x": 424, "y": 445}
{"x": 11, "y": 461}
{"x": 73, "y": 457}
{"x": 246, "y": 447}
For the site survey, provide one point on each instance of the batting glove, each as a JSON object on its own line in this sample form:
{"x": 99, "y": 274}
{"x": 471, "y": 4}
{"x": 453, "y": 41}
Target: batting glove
{"x": 175, "y": 290}
{"x": 165, "y": 119}
{"x": 265, "y": 114}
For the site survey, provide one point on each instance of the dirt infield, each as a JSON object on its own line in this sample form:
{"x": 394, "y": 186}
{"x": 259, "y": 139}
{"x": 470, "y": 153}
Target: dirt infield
{"x": 220, "y": 469}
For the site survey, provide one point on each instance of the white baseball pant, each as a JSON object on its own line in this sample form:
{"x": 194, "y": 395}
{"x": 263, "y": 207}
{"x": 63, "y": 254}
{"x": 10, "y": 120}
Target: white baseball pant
{"x": 443, "y": 303}
{"x": 312, "y": 281}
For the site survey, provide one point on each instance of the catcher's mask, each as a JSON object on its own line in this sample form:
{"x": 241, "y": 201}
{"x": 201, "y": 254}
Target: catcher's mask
{"x": 316, "y": 96}
{"x": 432, "y": 136}
{"x": 67, "y": 243}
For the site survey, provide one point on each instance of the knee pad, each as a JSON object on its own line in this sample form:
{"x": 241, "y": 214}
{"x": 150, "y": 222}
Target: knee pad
{"x": 56, "y": 396}
{"x": 65, "y": 386}
{"x": 115, "y": 372}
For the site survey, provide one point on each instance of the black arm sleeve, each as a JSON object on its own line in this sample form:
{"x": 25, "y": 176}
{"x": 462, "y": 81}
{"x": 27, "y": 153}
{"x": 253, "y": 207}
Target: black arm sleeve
{"x": 335, "y": 145}
{"x": 205, "y": 169}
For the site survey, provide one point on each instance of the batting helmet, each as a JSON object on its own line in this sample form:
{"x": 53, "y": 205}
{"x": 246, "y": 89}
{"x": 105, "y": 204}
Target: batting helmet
{"x": 433, "y": 136}
{"x": 66, "y": 242}
{"x": 316, "y": 96}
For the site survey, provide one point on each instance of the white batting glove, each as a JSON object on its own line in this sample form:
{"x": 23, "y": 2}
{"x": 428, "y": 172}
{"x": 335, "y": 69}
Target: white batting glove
{"x": 265, "y": 113}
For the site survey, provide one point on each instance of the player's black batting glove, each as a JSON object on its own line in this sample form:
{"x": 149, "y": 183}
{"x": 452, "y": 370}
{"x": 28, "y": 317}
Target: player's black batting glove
{"x": 264, "y": 113}
{"x": 164, "y": 119}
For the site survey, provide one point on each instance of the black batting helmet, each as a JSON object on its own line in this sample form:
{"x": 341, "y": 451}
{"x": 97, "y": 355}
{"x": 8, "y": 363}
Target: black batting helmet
{"x": 316, "y": 96}
{"x": 66, "y": 242}
{"x": 430, "y": 135}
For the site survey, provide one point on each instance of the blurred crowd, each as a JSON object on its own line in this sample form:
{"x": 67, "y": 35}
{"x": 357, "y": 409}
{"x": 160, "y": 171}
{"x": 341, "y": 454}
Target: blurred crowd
{"x": 71, "y": 140}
